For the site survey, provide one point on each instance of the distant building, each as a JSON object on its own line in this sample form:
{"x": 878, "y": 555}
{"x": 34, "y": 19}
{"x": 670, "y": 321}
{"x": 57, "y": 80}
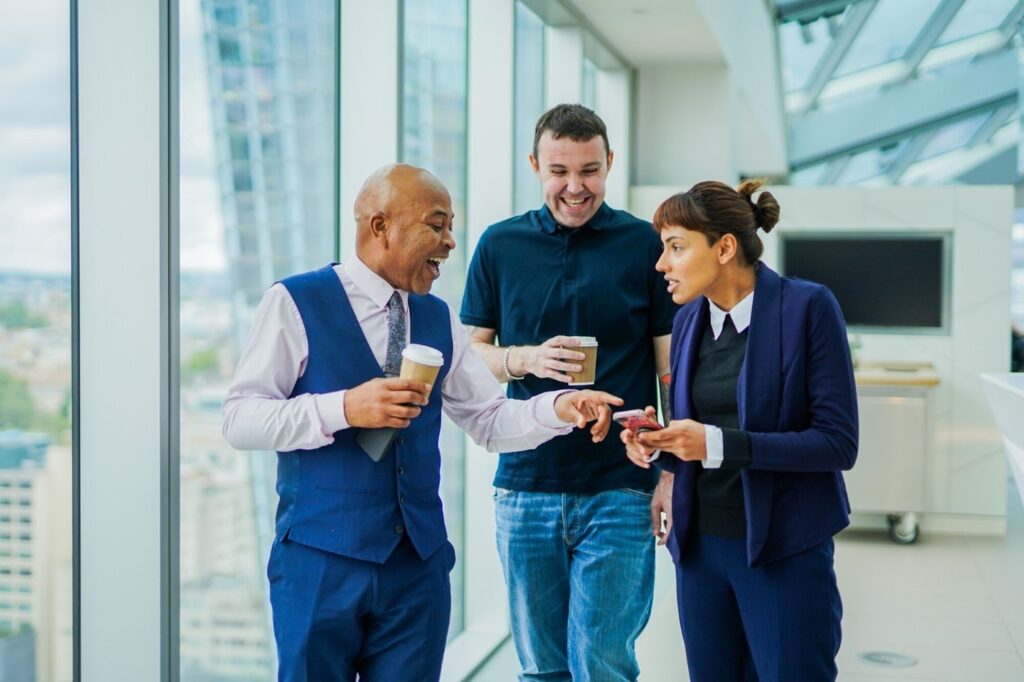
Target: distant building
{"x": 25, "y": 588}
{"x": 18, "y": 655}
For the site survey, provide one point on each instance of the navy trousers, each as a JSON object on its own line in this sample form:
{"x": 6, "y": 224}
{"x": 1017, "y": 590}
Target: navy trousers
{"x": 773, "y": 623}
{"x": 336, "y": 618}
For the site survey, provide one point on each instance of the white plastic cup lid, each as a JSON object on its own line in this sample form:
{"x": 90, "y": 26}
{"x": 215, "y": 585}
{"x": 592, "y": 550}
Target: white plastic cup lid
{"x": 424, "y": 355}
{"x": 586, "y": 340}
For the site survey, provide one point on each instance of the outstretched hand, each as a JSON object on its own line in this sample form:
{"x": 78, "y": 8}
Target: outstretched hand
{"x": 582, "y": 407}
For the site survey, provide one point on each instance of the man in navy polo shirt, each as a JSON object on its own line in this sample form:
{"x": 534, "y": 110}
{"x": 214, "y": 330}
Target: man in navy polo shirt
{"x": 359, "y": 569}
{"x": 574, "y": 519}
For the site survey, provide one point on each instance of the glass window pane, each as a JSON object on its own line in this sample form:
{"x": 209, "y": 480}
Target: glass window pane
{"x": 974, "y": 17}
{"x": 434, "y": 72}
{"x": 953, "y": 136}
{"x": 529, "y": 104}
{"x": 888, "y": 33}
{"x": 253, "y": 121}
{"x": 801, "y": 47}
{"x": 35, "y": 345}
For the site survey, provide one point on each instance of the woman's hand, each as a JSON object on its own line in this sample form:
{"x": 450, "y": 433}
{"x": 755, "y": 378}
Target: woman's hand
{"x": 684, "y": 438}
{"x": 638, "y": 453}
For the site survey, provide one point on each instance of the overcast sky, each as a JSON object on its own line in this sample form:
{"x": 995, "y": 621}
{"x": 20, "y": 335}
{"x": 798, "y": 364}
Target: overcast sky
{"x": 35, "y": 214}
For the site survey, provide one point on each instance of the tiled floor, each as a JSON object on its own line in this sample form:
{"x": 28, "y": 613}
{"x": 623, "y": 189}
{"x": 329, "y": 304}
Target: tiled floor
{"x": 956, "y": 604}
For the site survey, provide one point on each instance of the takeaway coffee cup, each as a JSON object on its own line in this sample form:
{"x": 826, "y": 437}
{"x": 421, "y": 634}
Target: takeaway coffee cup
{"x": 588, "y": 346}
{"x": 421, "y": 363}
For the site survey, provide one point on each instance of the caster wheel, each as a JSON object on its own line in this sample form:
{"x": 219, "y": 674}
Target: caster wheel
{"x": 903, "y": 528}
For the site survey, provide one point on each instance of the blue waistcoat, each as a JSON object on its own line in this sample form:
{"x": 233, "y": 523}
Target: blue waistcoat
{"x": 336, "y": 498}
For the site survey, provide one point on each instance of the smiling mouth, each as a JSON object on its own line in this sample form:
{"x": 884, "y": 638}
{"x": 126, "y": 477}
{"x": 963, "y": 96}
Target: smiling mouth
{"x": 435, "y": 265}
{"x": 575, "y": 204}
{"x": 673, "y": 284}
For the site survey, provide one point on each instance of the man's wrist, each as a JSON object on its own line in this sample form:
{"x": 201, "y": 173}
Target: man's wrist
{"x": 507, "y": 362}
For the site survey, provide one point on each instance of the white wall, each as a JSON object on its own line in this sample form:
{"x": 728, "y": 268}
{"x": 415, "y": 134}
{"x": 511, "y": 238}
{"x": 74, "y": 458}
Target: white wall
{"x": 746, "y": 33}
{"x": 966, "y": 476}
{"x": 681, "y": 125}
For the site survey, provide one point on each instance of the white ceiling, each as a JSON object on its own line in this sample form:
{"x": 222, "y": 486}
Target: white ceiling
{"x": 652, "y": 31}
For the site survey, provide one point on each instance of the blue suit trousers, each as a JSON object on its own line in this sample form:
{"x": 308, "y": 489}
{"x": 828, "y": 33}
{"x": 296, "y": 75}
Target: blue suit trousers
{"x": 336, "y": 618}
{"x": 773, "y": 623}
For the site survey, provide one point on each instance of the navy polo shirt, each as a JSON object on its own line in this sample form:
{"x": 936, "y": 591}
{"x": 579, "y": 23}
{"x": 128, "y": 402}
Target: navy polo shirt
{"x": 530, "y": 280}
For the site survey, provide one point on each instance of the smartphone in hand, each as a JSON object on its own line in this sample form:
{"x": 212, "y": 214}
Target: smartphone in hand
{"x": 636, "y": 421}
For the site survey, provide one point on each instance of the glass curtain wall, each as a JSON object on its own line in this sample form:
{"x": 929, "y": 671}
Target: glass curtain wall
{"x": 433, "y": 119}
{"x": 530, "y": 64}
{"x": 36, "y": 604}
{"x": 258, "y": 106}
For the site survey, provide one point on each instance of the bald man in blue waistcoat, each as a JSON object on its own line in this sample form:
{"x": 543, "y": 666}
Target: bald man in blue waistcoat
{"x": 359, "y": 570}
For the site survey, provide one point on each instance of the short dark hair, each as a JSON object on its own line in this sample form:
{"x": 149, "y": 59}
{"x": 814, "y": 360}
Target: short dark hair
{"x": 716, "y": 209}
{"x": 574, "y": 121}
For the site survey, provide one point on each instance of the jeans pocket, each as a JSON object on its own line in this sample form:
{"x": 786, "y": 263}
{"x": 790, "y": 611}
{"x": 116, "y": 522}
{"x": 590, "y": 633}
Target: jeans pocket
{"x": 643, "y": 494}
{"x": 501, "y": 493}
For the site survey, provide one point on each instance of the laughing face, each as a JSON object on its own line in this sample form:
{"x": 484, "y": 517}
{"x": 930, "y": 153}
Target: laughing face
{"x": 572, "y": 175}
{"x": 418, "y": 234}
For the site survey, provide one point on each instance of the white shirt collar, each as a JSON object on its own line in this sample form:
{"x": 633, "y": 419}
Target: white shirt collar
{"x": 740, "y": 315}
{"x": 372, "y": 284}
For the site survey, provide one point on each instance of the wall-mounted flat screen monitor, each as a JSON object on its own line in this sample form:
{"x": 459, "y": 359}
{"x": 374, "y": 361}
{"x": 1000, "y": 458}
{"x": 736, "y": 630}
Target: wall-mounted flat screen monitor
{"x": 883, "y": 282}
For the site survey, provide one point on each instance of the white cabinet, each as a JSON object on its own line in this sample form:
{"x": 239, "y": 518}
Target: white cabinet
{"x": 890, "y": 473}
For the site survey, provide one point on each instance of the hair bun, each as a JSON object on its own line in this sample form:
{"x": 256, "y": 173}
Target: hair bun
{"x": 765, "y": 209}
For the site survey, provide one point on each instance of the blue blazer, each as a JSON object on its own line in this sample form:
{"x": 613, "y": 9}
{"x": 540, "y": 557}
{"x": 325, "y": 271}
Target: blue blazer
{"x": 798, "y": 403}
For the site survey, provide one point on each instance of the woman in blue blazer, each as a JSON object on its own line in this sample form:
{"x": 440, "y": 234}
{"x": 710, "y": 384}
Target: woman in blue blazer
{"x": 764, "y": 420}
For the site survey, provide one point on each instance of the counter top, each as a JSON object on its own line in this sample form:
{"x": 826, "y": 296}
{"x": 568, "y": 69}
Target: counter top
{"x": 1012, "y": 382}
{"x": 896, "y": 374}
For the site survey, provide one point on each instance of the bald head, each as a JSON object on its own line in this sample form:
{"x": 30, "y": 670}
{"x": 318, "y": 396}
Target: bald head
{"x": 403, "y": 218}
{"x": 388, "y": 186}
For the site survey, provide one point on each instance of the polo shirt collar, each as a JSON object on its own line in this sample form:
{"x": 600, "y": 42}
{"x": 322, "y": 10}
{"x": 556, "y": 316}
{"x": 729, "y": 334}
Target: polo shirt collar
{"x": 740, "y": 315}
{"x": 598, "y": 222}
{"x": 373, "y": 285}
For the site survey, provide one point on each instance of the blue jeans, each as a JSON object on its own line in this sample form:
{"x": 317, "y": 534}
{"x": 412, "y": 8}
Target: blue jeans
{"x": 580, "y": 576}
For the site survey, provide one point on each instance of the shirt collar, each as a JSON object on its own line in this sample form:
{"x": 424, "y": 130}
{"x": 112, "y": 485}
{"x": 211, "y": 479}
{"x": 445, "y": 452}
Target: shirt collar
{"x": 372, "y": 284}
{"x": 740, "y": 315}
{"x": 598, "y": 222}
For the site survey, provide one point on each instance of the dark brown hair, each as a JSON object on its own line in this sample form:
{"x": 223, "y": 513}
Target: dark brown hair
{"x": 574, "y": 121}
{"x": 716, "y": 209}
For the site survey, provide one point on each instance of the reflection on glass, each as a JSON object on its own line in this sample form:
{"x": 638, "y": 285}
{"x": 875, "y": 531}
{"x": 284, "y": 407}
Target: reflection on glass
{"x": 35, "y": 346}
{"x": 889, "y": 31}
{"x": 434, "y": 81}
{"x": 258, "y": 106}
{"x": 529, "y": 104}
{"x": 974, "y": 17}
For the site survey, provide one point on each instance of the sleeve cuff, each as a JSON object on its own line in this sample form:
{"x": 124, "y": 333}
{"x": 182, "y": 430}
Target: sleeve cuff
{"x": 735, "y": 449}
{"x": 331, "y": 408}
{"x": 713, "y": 444}
{"x": 546, "y": 414}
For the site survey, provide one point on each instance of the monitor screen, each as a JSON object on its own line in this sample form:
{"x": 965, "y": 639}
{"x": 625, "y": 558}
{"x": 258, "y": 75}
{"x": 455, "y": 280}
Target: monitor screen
{"x": 879, "y": 280}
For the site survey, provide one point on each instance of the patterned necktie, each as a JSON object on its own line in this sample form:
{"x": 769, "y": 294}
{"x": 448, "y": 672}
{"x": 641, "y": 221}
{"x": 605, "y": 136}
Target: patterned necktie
{"x": 396, "y": 336}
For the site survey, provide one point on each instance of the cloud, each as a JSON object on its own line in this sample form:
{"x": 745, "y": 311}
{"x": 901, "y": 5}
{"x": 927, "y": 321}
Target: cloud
{"x": 35, "y": 155}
